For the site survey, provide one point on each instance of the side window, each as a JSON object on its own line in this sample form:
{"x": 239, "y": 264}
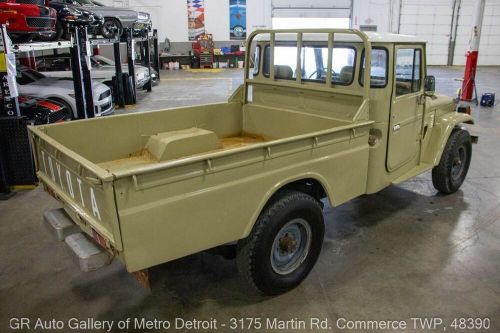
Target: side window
{"x": 408, "y": 71}
{"x": 285, "y": 61}
{"x": 378, "y": 75}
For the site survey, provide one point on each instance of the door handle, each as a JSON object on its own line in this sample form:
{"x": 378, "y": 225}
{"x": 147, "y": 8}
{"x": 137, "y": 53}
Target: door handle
{"x": 396, "y": 127}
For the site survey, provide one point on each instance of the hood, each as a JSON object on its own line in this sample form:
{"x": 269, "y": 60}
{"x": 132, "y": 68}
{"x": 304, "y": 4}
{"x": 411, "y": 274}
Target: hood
{"x": 62, "y": 83}
{"x": 442, "y": 103}
{"x": 112, "y": 11}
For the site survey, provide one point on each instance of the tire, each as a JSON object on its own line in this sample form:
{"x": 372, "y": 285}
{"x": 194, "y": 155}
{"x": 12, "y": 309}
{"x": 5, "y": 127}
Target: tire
{"x": 111, "y": 27}
{"x": 69, "y": 113}
{"x": 262, "y": 256}
{"x": 450, "y": 173}
{"x": 59, "y": 31}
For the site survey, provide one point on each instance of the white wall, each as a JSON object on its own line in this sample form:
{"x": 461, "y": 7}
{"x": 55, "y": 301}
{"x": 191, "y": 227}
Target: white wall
{"x": 489, "y": 46}
{"x": 170, "y": 17}
{"x": 432, "y": 19}
{"x": 427, "y": 18}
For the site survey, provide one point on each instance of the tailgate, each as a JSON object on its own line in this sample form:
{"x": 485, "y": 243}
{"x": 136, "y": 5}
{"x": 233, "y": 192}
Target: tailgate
{"x": 85, "y": 189}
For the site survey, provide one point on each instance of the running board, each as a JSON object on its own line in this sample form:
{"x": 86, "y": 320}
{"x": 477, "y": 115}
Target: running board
{"x": 419, "y": 169}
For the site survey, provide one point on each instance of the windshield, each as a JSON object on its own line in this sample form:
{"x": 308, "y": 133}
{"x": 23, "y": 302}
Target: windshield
{"x": 99, "y": 60}
{"x": 26, "y": 76}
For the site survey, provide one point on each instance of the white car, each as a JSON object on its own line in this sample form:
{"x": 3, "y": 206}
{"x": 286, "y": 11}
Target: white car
{"x": 103, "y": 69}
{"x": 33, "y": 83}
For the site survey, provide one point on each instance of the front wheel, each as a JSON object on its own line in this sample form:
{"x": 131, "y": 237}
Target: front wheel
{"x": 450, "y": 173}
{"x": 111, "y": 28}
{"x": 284, "y": 244}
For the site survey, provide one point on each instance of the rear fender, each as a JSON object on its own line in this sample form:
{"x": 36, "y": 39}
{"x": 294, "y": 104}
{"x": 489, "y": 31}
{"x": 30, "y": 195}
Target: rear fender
{"x": 282, "y": 184}
{"x": 443, "y": 127}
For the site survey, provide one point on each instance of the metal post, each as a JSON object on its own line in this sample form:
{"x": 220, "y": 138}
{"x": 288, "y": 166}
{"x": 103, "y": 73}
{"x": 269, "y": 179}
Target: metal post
{"x": 156, "y": 55}
{"x": 130, "y": 60}
{"x": 147, "y": 59}
{"x": 5, "y": 191}
{"x": 76, "y": 68}
{"x": 472, "y": 55}
{"x": 120, "y": 93}
{"x": 87, "y": 78}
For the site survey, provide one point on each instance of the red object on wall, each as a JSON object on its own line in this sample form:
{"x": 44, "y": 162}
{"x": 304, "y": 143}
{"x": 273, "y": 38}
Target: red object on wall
{"x": 469, "y": 76}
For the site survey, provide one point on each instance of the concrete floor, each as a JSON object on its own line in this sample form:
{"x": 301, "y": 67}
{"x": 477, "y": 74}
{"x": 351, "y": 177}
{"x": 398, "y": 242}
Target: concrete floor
{"x": 404, "y": 252}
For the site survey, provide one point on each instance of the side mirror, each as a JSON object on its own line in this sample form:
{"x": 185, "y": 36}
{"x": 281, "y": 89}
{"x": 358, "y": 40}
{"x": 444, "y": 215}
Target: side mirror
{"x": 430, "y": 85}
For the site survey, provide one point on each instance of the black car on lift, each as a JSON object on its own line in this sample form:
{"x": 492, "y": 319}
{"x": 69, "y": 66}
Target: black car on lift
{"x": 67, "y": 15}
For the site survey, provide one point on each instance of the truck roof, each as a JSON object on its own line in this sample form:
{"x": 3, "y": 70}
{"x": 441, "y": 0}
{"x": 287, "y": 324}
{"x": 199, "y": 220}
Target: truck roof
{"x": 374, "y": 37}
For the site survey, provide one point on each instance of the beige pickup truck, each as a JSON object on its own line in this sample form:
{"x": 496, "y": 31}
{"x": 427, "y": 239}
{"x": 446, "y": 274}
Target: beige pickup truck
{"x": 307, "y": 124}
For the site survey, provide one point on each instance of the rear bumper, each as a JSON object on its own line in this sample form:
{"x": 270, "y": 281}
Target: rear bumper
{"x": 86, "y": 252}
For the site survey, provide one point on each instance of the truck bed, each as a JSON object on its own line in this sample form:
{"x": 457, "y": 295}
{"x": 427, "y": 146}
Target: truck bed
{"x": 144, "y": 157}
{"x": 156, "y": 186}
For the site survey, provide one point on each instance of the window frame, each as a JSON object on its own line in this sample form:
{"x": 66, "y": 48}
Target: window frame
{"x": 386, "y": 67}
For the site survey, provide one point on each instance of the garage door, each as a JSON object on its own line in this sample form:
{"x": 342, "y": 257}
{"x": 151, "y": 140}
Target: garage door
{"x": 432, "y": 21}
{"x": 308, "y": 8}
{"x": 489, "y": 46}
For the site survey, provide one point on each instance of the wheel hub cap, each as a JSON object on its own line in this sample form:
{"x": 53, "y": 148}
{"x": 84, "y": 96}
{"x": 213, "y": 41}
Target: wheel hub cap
{"x": 291, "y": 246}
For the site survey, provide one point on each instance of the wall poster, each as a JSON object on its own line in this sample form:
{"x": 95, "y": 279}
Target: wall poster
{"x": 196, "y": 18}
{"x": 238, "y": 19}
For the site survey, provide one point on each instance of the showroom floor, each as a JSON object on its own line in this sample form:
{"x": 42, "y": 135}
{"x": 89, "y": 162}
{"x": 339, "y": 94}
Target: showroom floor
{"x": 404, "y": 252}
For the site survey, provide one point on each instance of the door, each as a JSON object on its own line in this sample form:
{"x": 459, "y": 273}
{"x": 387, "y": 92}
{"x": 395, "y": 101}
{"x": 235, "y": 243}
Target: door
{"x": 406, "y": 109}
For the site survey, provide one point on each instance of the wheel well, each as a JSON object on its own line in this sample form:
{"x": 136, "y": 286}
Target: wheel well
{"x": 114, "y": 19}
{"x": 309, "y": 186}
{"x": 63, "y": 101}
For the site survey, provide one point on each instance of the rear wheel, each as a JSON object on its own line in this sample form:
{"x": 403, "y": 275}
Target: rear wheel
{"x": 450, "y": 173}
{"x": 111, "y": 28}
{"x": 284, "y": 244}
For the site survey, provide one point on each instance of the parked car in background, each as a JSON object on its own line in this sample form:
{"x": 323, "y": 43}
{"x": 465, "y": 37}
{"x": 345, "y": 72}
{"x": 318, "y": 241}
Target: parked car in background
{"x": 71, "y": 15}
{"x": 103, "y": 69}
{"x": 39, "y": 111}
{"x": 33, "y": 83}
{"x": 115, "y": 19}
{"x": 26, "y": 20}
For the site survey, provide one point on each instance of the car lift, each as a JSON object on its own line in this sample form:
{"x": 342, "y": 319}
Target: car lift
{"x": 16, "y": 161}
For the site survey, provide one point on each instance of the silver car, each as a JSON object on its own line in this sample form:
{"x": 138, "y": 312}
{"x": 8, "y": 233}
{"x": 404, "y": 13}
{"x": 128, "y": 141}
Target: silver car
{"x": 33, "y": 83}
{"x": 115, "y": 18}
{"x": 103, "y": 69}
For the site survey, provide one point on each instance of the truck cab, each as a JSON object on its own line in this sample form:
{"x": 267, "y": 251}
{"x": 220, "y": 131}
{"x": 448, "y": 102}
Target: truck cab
{"x": 309, "y": 69}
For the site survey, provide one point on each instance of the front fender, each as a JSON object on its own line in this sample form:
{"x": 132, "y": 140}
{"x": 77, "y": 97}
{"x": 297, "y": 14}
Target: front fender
{"x": 443, "y": 126}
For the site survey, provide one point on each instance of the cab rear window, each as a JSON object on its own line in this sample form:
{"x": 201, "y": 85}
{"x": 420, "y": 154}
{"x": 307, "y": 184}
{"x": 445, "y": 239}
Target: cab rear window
{"x": 314, "y": 63}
